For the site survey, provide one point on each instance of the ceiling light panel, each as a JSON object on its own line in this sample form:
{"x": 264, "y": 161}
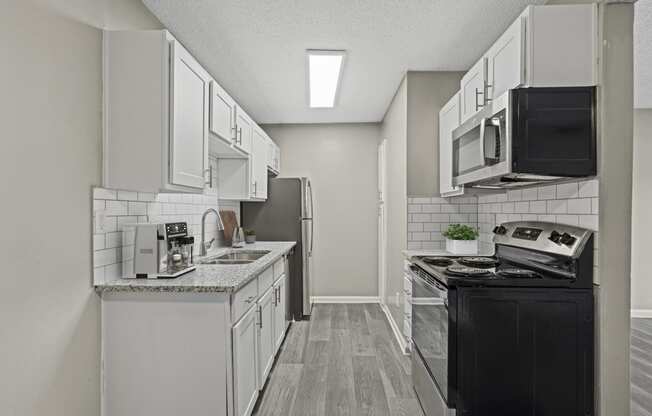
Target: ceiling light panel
{"x": 324, "y": 77}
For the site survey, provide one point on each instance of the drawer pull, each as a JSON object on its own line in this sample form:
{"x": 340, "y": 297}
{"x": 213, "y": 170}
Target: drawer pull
{"x": 250, "y": 299}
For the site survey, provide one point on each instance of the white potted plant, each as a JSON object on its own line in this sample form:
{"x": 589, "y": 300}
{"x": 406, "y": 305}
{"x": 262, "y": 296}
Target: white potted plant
{"x": 461, "y": 239}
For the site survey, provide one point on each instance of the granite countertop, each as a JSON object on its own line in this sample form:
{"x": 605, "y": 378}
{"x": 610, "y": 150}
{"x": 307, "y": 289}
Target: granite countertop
{"x": 207, "y": 278}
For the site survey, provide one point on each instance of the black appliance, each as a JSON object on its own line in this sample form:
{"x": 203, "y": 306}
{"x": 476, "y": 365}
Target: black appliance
{"x": 528, "y": 136}
{"x": 510, "y": 334}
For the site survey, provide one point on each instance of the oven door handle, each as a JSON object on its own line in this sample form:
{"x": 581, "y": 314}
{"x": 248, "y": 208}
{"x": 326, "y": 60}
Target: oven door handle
{"x": 437, "y": 287}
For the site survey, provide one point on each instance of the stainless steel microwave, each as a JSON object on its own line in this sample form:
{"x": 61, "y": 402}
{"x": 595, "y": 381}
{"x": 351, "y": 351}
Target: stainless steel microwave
{"x": 528, "y": 136}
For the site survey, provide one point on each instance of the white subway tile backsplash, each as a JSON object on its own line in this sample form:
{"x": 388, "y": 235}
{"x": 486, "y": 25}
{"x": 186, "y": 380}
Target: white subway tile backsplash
{"x": 538, "y": 207}
{"x": 567, "y": 190}
{"x": 98, "y": 242}
{"x": 579, "y": 206}
{"x": 568, "y": 219}
{"x": 420, "y": 218}
{"x": 589, "y": 221}
{"x": 431, "y": 226}
{"x": 137, "y": 208}
{"x": 146, "y": 197}
{"x": 430, "y": 208}
{"x": 101, "y": 193}
{"x": 557, "y": 206}
{"x": 449, "y": 209}
{"x": 115, "y": 208}
{"x": 522, "y": 207}
{"x": 530, "y": 194}
{"x": 420, "y": 200}
{"x": 113, "y": 240}
{"x": 589, "y": 189}
{"x": 595, "y": 203}
{"x": 507, "y": 207}
{"x": 127, "y": 196}
{"x": 547, "y": 192}
{"x": 415, "y": 226}
{"x": 515, "y": 195}
{"x": 105, "y": 257}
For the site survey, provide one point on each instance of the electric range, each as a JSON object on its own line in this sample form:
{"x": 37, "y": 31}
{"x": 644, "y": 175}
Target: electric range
{"x": 532, "y": 255}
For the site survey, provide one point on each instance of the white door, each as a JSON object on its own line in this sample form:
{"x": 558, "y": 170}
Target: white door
{"x": 222, "y": 114}
{"x": 382, "y": 223}
{"x": 189, "y": 113}
{"x": 266, "y": 340}
{"x": 245, "y": 374}
{"x": 449, "y": 119}
{"x": 472, "y": 87}
{"x": 279, "y": 311}
{"x": 506, "y": 60}
{"x": 244, "y": 130}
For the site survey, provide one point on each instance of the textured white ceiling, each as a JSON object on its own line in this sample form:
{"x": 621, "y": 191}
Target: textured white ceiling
{"x": 256, "y": 48}
{"x": 643, "y": 54}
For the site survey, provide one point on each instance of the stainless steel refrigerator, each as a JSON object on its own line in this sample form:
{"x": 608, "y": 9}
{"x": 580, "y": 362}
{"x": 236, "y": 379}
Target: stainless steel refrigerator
{"x": 287, "y": 215}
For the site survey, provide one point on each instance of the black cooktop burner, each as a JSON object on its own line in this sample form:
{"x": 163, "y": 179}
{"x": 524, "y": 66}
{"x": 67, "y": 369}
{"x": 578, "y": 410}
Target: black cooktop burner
{"x": 519, "y": 273}
{"x": 478, "y": 262}
{"x": 465, "y": 271}
{"x": 438, "y": 261}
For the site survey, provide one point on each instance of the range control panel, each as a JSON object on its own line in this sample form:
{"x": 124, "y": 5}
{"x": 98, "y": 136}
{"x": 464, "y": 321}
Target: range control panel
{"x": 548, "y": 237}
{"x": 526, "y": 233}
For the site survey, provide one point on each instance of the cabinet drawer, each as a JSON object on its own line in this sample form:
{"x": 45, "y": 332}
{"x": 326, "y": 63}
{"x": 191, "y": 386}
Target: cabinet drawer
{"x": 279, "y": 268}
{"x": 265, "y": 280}
{"x": 244, "y": 299}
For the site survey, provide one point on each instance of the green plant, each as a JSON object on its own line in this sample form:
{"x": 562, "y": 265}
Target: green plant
{"x": 461, "y": 232}
{"x": 249, "y": 232}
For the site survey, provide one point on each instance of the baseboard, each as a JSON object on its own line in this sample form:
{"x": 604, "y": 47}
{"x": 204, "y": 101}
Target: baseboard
{"x": 402, "y": 343}
{"x": 641, "y": 313}
{"x": 344, "y": 299}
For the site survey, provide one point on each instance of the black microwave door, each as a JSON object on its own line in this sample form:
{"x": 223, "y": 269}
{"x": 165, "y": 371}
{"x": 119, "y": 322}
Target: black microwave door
{"x": 554, "y": 131}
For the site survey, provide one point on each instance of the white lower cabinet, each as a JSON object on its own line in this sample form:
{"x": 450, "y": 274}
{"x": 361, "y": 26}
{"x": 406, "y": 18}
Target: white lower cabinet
{"x": 266, "y": 344}
{"x": 245, "y": 371}
{"x": 280, "y": 310}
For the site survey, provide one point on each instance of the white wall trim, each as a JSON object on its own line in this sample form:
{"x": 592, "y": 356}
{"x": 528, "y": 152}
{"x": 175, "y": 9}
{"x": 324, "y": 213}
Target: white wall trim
{"x": 397, "y": 331}
{"x": 344, "y": 299}
{"x": 641, "y": 313}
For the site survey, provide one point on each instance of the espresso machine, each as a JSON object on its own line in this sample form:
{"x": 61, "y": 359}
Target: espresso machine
{"x": 157, "y": 250}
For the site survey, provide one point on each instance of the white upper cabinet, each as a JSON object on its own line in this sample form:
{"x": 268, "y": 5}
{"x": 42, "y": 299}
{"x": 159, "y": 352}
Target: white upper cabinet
{"x": 449, "y": 120}
{"x": 546, "y": 46}
{"x": 222, "y": 123}
{"x": 473, "y": 88}
{"x": 244, "y": 130}
{"x": 155, "y": 114}
{"x": 259, "y": 164}
{"x": 505, "y": 63}
{"x": 561, "y": 45}
{"x": 273, "y": 157}
{"x": 188, "y": 123}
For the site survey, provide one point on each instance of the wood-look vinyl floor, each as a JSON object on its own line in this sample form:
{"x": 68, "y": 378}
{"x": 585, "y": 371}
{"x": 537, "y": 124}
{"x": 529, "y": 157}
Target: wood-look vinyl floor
{"x": 344, "y": 361}
{"x": 641, "y": 367}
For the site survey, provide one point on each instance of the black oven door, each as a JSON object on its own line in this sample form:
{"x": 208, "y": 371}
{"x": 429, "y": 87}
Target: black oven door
{"x": 554, "y": 131}
{"x": 430, "y": 327}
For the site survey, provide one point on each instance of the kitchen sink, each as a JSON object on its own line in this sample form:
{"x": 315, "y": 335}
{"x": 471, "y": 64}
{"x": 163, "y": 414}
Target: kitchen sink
{"x": 236, "y": 257}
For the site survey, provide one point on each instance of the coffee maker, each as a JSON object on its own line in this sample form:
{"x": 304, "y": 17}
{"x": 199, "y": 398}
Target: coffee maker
{"x": 158, "y": 250}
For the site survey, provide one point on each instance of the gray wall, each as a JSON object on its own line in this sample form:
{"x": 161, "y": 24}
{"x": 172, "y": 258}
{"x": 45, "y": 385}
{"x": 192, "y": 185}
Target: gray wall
{"x": 394, "y": 130}
{"x": 641, "y": 218}
{"x": 341, "y": 162}
{"x": 50, "y": 78}
{"x": 427, "y": 92}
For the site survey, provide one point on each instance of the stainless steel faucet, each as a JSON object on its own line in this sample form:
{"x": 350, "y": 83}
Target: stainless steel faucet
{"x": 220, "y": 227}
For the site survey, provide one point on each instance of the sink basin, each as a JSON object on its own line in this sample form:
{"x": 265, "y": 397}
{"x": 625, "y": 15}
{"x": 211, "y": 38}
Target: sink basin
{"x": 225, "y": 261}
{"x": 236, "y": 257}
{"x": 250, "y": 255}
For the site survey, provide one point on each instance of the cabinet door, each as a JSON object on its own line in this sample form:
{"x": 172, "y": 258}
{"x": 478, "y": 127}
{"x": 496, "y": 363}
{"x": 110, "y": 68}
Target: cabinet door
{"x": 540, "y": 342}
{"x": 279, "y": 311}
{"x": 244, "y": 130}
{"x": 245, "y": 372}
{"x": 259, "y": 164}
{"x": 222, "y": 114}
{"x": 449, "y": 119}
{"x": 472, "y": 88}
{"x": 188, "y": 112}
{"x": 506, "y": 60}
{"x": 265, "y": 336}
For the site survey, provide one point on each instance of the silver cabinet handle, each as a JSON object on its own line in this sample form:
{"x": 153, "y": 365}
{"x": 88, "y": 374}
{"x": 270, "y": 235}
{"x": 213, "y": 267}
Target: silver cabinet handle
{"x": 240, "y": 135}
{"x": 278, "y": 295}
{"x": 486, "y": 92}
{"x": 210, "y": 176}
{"x": 477, "y": 105}
{"x": 260, "y": 317}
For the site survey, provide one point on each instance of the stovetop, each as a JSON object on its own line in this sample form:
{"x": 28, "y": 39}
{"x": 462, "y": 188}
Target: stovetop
{"x": 486, "y": 271}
